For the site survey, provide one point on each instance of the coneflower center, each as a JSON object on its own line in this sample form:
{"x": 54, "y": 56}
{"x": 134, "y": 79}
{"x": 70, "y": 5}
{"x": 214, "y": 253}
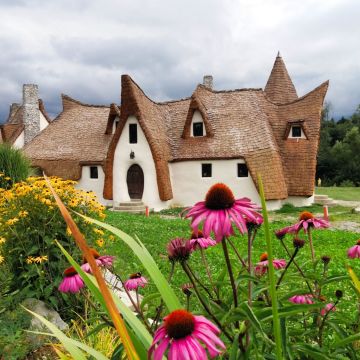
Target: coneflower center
{"x": 199, "y": 235}
{"x": 70, "y": 271}
{"x": 179, "y": 324}
{"x": 263, "y": 257}
{"x": 358, "y": 242}
{"x": 306, "y": 215}
{"x": 135, "y": 276}
{"x": 219, "y": 197}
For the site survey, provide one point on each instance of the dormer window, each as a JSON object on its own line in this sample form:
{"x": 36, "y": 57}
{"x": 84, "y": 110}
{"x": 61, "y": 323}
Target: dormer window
{"x": 198, "y": 129}
{"x": 296, "y": 131}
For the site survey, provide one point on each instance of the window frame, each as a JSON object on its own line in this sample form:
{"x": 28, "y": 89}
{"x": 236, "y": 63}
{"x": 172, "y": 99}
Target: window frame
{"x": 94, "y": 176}
{"x": 239, "y": 165}
{"x": 195, "y": 123}
{"x": 133, "y": 135}
{"x": 298, "y": 128}
{"x": 203, "y": 171}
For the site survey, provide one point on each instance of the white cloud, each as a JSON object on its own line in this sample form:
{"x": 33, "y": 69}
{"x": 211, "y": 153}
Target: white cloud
{"x": 82, "y": 47}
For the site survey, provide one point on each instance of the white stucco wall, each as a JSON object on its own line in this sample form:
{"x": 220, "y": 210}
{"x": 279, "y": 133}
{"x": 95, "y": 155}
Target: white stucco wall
{"x": 19, "y": 142}
{"x": 190, "y": 187}
{"x": 144, "y": 159}
{"x": 95, "y": 185}
{"x": 43, "y": 122}
{"x": 197, "y": 118}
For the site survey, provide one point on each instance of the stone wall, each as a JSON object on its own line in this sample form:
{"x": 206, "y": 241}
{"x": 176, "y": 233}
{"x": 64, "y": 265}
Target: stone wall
{"x": 31, "y": 111}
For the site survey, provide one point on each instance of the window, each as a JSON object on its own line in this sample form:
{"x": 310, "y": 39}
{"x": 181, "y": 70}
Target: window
{"x": 133, "y": 133}
{"x": 206, "y": 170}
{"x": 94, "y": 172}
{"x": 242, "y": 170}
{"x": 296, "y": 131}
{"x": 198, "y": 129}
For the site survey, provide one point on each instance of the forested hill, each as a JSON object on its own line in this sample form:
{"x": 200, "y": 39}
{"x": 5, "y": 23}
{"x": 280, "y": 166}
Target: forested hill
{"x": 339, "y": 150}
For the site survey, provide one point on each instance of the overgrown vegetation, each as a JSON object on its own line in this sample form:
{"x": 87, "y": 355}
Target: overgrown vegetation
{"x": 14, "y": 166}
{"x": 339, "y": 150}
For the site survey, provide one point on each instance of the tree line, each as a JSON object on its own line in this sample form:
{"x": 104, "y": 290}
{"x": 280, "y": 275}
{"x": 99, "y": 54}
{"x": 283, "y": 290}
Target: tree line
{"x": 338, "y": 160}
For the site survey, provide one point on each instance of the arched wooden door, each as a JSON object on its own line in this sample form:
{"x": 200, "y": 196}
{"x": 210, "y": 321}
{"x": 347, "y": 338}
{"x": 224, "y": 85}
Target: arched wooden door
{"x": 135, "y": 181}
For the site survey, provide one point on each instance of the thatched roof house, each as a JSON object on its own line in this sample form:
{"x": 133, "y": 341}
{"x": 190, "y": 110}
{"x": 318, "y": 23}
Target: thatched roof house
{"x": 168, "y": 153}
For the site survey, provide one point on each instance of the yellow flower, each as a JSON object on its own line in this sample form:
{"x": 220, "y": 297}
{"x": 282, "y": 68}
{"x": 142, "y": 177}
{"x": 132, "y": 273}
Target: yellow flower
{"x": 2, "y": 240}
{"x": 23, "y": 213}
{"x": 98, "y": 231}
{"x": 68, "y": 231}
{"x": 1, "y": 259}
{"x": 100, "y": 242}
{"x": 112, "y": 237}
{"x": 30, "y": 260}
{"x": 102, "y": 216}
{"x": 46, "y": 201}
{"x": 7, "y": 178}
{"x": 12, "y": 221}
{"x": 40, "y": 259}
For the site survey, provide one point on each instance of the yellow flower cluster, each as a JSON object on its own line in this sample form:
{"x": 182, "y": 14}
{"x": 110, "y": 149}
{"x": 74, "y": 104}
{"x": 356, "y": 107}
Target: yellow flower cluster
{"x": 1, "y": 259}
{"x": 98, "y": 231}
{"x": 12, "y": 221}
{"x": 36, "y": 260}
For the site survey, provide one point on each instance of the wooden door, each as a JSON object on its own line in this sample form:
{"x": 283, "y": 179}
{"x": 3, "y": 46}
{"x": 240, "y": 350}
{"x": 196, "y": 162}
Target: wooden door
{"x": 135, "y": 182}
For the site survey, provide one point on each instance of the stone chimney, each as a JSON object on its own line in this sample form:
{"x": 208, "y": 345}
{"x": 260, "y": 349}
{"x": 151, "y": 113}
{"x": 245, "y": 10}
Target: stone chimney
{"x": 31, "y": 113}
{"x": 208, "y": 81}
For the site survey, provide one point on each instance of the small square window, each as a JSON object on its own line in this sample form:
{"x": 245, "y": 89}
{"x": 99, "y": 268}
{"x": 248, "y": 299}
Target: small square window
{"x": 198, "y": 129}
{"x": 242, "y": 170}
{"x": 296, "y": 131}
{"x": 94, "y": 172}
{"x": 133, "y": 133}
{"x": 206, "y": 170}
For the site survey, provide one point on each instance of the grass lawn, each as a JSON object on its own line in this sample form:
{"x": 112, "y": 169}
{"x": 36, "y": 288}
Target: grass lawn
{"x": 340, "y": 193}
{"x": 157, "y": 230}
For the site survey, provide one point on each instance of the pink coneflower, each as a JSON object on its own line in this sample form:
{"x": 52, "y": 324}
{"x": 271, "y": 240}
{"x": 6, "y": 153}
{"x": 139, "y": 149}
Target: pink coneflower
{"x": 262, "y": 266}
{"x": 101, "y": 260}
{"x": 220, "y": 210}
{"x": 302, "y": 299}
{"x": 198, "y": 241}
{"x": 188, "y": 337}
{"x": 327, "y": 308}
{"x": 72, "y": 281}
{"x": 354, "y": 252}
{"x": 179, "y": 250}
{"x": 135, "y": 281}
{"x": 306, "y": 220}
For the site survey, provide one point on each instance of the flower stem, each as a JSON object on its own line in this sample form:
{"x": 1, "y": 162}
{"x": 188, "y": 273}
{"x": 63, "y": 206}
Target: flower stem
{"x": 205, "y": 306}
{"x": 297, "y": 266}
{"x": 321, "y": 327}
{"x": 250, "y": 269}
{"x": 287, "y": 266}
{"x": 199, "y": 282}
{"x": 206, "y": 264}
{"x": 237, "y": 254}
{"x": 271, "y": 272}
{"x": 229, "y": 268}
{"x": 311, "y": 244}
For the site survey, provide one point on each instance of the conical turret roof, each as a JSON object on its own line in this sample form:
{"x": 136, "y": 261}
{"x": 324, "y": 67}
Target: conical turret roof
{"x": 279, "y": 88}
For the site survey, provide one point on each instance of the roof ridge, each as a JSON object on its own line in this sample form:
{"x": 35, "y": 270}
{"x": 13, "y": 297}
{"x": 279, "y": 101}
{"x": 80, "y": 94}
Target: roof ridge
{"x": 227, "y": 91}
{"x": 69, "y": 98}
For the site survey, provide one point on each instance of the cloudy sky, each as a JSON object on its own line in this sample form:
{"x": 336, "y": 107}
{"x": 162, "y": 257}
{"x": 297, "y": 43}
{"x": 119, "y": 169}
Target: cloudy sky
{"x": 81, "y": 47}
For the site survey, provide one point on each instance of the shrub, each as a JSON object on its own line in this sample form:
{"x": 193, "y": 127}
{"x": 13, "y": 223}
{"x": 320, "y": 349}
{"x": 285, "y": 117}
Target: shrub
{"x": 14, "y": 166}
{"x": 347, "y": 183}
{"x": 30, "y": 221}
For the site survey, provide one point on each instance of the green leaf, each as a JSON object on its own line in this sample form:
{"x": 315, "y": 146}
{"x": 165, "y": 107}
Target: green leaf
{"x": 68, "y": 343}
{"x": 234, "y": 348}
{"x": 167, "y": 293}
{"x": 355, "y": 280}
{"x": 347, "y": 340}
{"x": 335, "y": 278}
{"x": 313, "y": 352}
{"x": 149, "y": 298}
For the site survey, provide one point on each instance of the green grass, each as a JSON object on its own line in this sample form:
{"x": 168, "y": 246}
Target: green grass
{"x": 340, "y": 193}
{"x": 155, "y": 232}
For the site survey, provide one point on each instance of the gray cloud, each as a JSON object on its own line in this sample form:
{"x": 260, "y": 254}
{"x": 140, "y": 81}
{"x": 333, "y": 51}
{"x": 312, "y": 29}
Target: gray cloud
{"x": 82, "y": 47}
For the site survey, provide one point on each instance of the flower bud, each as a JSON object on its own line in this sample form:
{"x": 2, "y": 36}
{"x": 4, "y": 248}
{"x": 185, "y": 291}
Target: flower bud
{"x": 339, "y": 294}
{"x": 186, "y": 289}
{"x": 298, "y": 243}
{"x": 325, "y": 259}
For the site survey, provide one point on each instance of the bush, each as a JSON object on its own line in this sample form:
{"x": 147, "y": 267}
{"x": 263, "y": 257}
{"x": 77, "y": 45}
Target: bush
{"x": 347, "y": 183}
{"x": 30, "y": 221}
{"x": 14, "y": 166}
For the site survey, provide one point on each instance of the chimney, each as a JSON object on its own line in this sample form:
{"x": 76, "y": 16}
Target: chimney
{"x": 208, "y": 81}
{"x": 13, "y": 108}
{"x": 31, "y": 113}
